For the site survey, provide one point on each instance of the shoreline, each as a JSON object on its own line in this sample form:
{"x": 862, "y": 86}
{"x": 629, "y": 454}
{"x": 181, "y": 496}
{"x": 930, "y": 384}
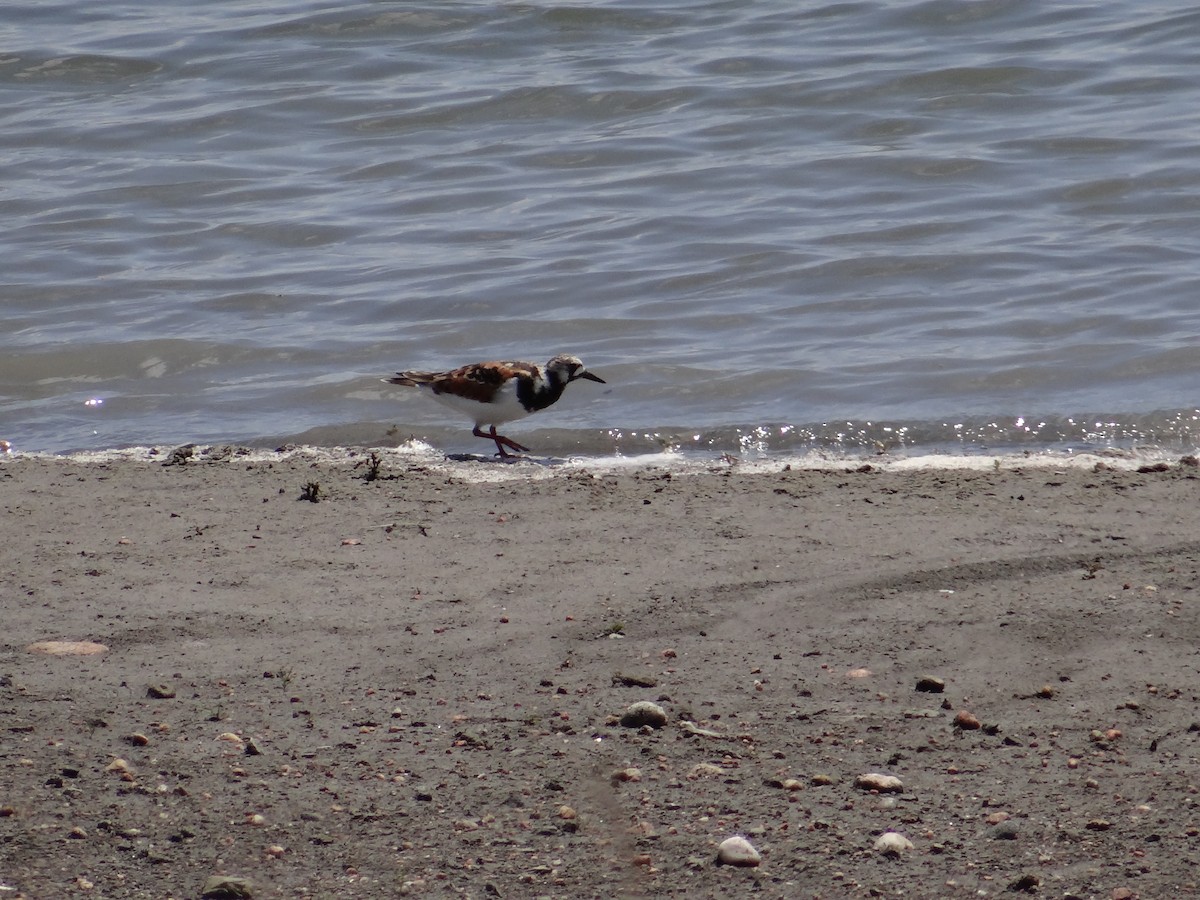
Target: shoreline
{"x": 418, "y": 454}
{"x": 415, "y": 685}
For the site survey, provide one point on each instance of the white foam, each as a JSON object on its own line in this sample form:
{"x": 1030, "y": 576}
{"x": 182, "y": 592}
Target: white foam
{"x": 417, "y": 453}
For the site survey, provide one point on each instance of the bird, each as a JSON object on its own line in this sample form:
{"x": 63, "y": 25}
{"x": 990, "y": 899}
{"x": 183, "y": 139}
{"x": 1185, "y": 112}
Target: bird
{"x": 493, "y": 393}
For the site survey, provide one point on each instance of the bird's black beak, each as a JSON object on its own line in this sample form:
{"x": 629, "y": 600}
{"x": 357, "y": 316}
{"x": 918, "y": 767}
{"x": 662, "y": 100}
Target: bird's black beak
{"x": 590, "y": 377}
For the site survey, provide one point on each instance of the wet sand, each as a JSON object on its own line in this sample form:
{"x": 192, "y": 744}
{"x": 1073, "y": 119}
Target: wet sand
{"x": 414, "y": 685}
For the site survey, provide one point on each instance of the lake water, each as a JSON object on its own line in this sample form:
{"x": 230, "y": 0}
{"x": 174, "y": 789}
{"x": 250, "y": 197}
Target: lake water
{"x": 770, "y": 227}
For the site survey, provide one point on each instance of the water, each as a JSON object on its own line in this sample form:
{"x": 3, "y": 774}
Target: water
{"x": 769, "y": 226}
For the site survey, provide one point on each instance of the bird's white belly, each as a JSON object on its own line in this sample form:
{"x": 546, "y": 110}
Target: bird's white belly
{"x": 504, "y": 408}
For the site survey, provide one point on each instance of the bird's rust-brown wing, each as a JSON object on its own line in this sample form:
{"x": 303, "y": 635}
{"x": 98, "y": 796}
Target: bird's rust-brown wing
{"x": 477, "y": 381}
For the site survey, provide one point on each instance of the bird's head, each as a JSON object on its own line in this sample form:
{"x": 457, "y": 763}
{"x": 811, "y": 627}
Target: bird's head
{"x": 570, "y": 368}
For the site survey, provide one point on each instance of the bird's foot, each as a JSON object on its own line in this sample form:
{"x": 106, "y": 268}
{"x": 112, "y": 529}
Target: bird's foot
{"x": 501, "y": 442}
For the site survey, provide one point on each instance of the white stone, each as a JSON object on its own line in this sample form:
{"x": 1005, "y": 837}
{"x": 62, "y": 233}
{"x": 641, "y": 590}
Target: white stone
{"x": 737, "y": 851}
{"x": 644, "y": 713}
{"x": 891, "y": 843}
{"x": 876, "y": 781}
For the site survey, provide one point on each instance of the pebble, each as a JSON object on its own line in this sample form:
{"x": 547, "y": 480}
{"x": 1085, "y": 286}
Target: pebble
{"x": 67, "y": 648}
{"x": 1005, "y": 831}
{"x": 966, "y": 721}
{"x": 737, "y": 851}
{"x": 626, "y": 679}
{"x": 922, "y": 714}
{"x": 928, "y": 684}
{"x": 1027, "y": 883}
{"x": 160, "y": 691}
{"x": 226, "y": 887}
{"x": 891, "y": 843}
{"x": 876, "y": 781}
{"x": 118, "y": 765}
{"x": 642, "y": 713}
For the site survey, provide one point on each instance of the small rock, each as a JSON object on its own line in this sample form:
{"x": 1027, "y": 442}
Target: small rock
{"x": 630, "y": 774}
{"x": 966, "y": 721}
{"x": 227, "y": 887}
{"x": 67, "y": 648}
{"x": 1027, "y": 883}
{"x": 1005, "y": 831}
{"x": 876, "y": 781}
{"x": 626, "y": 679}
{"x": 567, "y": 812}
{"x": 891, "y": 843}
{"x": 137, "y": 739}
{"x": 737, "y": 851}
{"x": 642, "y": 713}
{"x": 928, "y": 684}
{"x": 922, "y": 714}
{"x": 180, "y": 455}
{"x": 1098, "y": 825}
{"x": 160, "y": 691}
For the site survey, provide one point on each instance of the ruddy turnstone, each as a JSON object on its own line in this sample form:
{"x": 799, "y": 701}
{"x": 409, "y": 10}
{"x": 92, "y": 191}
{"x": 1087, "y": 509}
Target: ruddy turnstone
{"x": 493, "y": 393}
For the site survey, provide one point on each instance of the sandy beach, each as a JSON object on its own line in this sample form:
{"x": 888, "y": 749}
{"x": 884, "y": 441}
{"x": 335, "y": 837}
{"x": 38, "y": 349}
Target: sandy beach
{"x": 415, "y": 685}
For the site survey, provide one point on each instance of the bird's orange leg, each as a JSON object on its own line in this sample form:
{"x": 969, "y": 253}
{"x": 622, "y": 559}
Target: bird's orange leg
{"x": 501, "y": 441}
